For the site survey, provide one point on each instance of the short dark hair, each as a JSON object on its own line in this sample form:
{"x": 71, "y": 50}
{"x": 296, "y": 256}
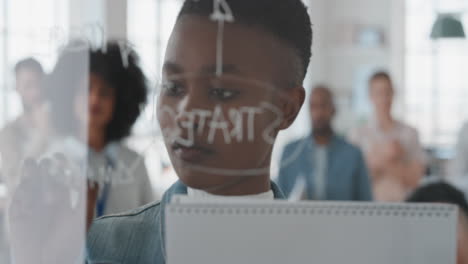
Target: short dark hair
{"x": 381, "y": 75}
{"x": 29, "y": 64}
{"x": 127, "y": 80}
{"x": 441, "y": 192}
{"x": 286, "y": 20}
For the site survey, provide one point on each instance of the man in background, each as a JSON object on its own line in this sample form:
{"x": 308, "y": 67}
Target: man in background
{"x": 23, "y": 135}
{"x": 323, "y": 166}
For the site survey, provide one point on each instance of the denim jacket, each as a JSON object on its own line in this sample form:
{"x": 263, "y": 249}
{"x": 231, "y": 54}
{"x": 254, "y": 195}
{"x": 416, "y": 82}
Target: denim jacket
{"x": 135, "y": 237}
{"x": 346, "y": 178}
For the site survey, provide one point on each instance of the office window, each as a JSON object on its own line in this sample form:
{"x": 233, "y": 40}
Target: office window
{"x": 150, "y": 23}
{"x": 27, "y": 28}
{"x": 436, "y": 83}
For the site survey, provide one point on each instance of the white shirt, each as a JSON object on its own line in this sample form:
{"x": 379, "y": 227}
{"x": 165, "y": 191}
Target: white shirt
{"x": 130, "y": 183}
{"x": 372, "y": 140}
{"x": 130, "y": 186}
{"x": 320, "y": 172}
{"x": 18, "y": 140}
{"x": 370, "y": 134}
{"x": 195, "y": 193}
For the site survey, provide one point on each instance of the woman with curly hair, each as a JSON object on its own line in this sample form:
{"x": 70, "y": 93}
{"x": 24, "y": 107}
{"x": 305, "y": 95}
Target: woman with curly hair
{"x": 108, "y": 109}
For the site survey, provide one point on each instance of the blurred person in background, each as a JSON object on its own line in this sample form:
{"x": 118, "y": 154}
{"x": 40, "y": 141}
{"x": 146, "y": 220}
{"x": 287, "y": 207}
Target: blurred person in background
{"x": 116, "y": 96}
{"x": 24, "y": 137}
{"x": 26, "y": 134}
{"x": 441, "y": 192}
{"x": 394, "y": 155}
{"x": 329, "y": 167}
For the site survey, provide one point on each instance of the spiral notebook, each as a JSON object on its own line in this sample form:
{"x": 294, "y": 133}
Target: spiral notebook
{"x": 241, "y": 231}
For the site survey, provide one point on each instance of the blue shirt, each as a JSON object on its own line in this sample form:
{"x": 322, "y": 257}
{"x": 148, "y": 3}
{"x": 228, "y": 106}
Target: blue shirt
{"x": 346, "y": 172}
{"x": 135, "y": 237}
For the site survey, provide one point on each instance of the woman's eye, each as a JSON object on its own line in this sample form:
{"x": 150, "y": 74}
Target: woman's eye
{"x": 106, "y": 92}
{"x": 172, "y": 89}
{"x": 223, "y": 94}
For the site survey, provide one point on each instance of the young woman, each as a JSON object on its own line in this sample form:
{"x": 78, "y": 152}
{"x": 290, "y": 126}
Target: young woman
{"x": 219, "y": 119}
{"x": 393, "y": 152}
{"x": 116, "y": 94}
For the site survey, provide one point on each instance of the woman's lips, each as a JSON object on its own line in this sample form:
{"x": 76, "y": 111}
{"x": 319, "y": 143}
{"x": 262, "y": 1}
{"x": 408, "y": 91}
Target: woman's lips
{"x": 190, "y": 154}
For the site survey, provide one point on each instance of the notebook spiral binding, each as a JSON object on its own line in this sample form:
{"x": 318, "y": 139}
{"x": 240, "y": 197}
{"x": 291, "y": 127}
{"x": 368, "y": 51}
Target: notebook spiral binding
{"x": 408, "y": 210}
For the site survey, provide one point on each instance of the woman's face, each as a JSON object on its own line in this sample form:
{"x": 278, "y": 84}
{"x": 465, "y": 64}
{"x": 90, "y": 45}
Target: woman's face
{"x": 381, "y": 92}
{"x": 219, "y": 129}
{"x": 100, "y": 101}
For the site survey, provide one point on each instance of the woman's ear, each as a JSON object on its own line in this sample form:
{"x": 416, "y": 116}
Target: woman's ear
{"x": 291, "y": 100}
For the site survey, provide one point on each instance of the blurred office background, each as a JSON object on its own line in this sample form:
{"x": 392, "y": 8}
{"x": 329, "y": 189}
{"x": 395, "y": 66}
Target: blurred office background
{"x": 352, "y": 40}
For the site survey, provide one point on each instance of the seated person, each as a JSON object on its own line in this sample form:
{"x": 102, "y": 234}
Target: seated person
{"x": 331, "y": 168}
{"x": 392, "y": 149}
{"x": 445, "y": 193}
{"x": 265, "y": 55}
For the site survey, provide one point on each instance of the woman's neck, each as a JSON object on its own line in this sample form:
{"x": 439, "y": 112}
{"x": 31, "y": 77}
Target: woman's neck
{"x": 96, "y": 140}
{"x": 323, "y": 136}
{"x": 244, "y": 185}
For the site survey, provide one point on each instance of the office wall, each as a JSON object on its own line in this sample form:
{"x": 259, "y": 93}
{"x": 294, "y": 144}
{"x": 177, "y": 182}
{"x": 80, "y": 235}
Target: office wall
{"x": 343, "y": 62}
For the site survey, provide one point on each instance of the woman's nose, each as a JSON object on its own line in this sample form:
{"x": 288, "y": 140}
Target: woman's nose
{"x": 187, "y": 109}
